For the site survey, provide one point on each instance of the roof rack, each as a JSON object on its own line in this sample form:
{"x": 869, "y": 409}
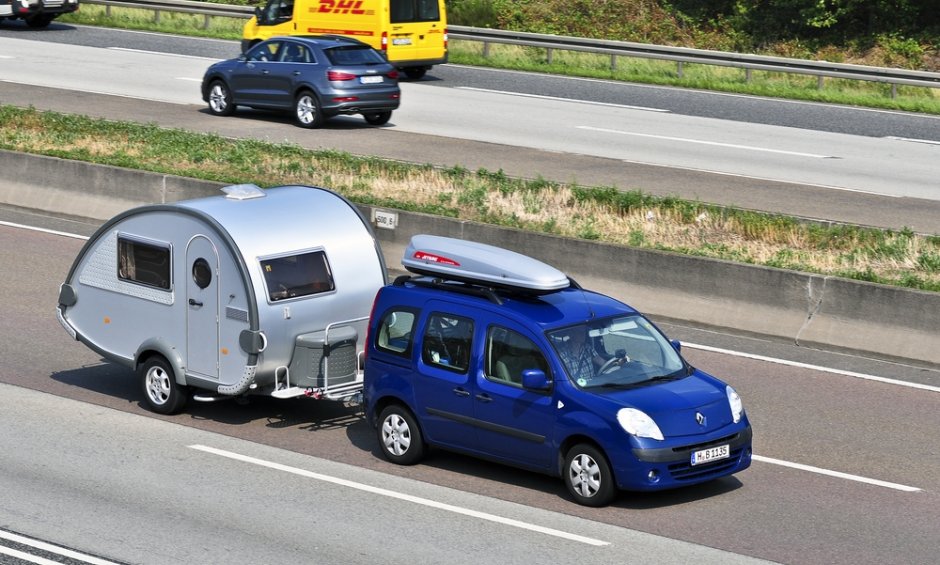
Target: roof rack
{"x": 481, "y": 266}
{"x": 460, "y": 287}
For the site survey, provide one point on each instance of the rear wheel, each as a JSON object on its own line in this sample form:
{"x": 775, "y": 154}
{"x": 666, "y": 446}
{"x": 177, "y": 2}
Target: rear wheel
{"x": 400, "y": 436}
{"x": 161, "y": 392}
{"x": 220, "y": 99}
{"x": 378, "y": 118}
{"x": 415, "y": 73}
{"x": 588, "y": 476}
{"x": 307, "y": 110}
{"x": 39, "y": 21}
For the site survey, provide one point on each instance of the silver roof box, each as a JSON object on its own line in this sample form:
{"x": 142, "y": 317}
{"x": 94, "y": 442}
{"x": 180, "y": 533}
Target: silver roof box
{"x": 478, "y": 263}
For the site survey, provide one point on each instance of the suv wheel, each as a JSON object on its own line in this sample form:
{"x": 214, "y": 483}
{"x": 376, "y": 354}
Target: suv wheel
{"x": 307, "y": 110}
{"x": 588, "y": 476}
{"x": 220, "y": 99}
{"x": 400, "y": 436}
{"x": 378, "y": 118}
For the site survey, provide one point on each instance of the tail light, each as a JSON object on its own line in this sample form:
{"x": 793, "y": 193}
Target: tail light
{"x": 445, "y": 39}
{"x": 339, "y": 76}
{"x": 393, "y": 74}
{"x": 384, "y": 46}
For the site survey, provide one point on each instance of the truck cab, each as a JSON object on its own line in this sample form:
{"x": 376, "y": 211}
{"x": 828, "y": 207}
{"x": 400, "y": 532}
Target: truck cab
{"x": 494, "y": 354}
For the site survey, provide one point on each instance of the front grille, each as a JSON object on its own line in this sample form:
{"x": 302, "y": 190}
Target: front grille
{"x": 706, "y": 445}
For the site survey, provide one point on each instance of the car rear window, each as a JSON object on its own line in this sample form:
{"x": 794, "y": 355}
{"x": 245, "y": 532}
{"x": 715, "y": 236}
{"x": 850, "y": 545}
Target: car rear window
{"x": 354, "y": 55}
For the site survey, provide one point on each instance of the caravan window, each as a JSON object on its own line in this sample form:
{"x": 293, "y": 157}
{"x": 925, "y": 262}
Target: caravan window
{"x": 293, "y": 276}
{"x": 144, "y": 263}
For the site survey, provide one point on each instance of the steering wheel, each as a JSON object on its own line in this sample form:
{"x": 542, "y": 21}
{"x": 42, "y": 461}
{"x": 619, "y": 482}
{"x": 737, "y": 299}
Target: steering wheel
{"x": 606, "y": 367}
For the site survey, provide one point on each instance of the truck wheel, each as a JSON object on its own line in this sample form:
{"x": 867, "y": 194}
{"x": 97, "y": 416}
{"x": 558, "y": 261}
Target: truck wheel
{"x": 400, "y": 436}
{"x": 378, "y": 118}
{"x": 588, "y": 476}
{"x": 161, "y": 392}
{"x": 415, "y": 73}
{"x": 307, "y": 110}
{"x": 220, "y": 99}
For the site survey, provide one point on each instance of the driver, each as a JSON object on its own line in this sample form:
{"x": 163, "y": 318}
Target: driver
{"x": 578, "y": 354}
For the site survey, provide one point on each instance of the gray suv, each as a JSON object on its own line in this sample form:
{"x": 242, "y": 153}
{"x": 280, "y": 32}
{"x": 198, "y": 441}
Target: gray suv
{"x": 314, "y": 77}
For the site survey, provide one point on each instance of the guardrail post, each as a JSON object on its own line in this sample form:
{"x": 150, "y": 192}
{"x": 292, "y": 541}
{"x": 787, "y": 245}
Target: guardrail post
{"x": 486, "y": 49}
{"x": 205, "y": 22}
{"x": 679, "y": 69}
{"x": 894, "y": 91}
{"x": 613, "y": 62}
{"x": 156, "y": 16}
{"x": 747, "y": 76}
{"x": 548, "y": 55}
{"x": 819, "y": 82}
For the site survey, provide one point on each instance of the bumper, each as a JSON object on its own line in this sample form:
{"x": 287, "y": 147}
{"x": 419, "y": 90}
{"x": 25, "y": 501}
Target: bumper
{"x": 363, "y": 103}
{"x": 671, "y": 467}
{"x": 49, "y": 7}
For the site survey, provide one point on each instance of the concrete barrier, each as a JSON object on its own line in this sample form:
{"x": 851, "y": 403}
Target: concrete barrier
{"x": 883, "y": 321}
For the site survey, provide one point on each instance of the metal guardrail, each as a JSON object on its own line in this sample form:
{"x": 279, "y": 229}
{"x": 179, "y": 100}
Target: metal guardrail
{"x": 615, "y": 49}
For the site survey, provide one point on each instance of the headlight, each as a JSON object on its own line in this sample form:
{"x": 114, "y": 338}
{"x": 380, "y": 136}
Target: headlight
{"x": 637, "y": 423}
{"x": 737, "y": 407}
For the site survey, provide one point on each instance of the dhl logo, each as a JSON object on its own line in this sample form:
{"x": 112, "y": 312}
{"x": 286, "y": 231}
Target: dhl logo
{"x": 341, "y": 7}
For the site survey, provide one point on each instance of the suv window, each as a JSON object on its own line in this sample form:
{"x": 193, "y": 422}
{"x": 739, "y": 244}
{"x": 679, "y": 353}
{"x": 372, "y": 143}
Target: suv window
{"x": 396, "y": 332}
{"x": 508, "y": 354}
{"x": 354, "y": 55}
{"x": 447, "y": 341}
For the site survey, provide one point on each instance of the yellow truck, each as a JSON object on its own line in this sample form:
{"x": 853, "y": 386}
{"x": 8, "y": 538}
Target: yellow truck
{"x": 412, "y": 34}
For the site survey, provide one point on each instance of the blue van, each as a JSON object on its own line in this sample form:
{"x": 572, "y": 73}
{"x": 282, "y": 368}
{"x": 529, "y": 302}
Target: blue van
{"x": 497, "y": 355}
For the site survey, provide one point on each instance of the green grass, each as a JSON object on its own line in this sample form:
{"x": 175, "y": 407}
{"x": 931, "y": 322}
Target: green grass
{"x": 606, "y": 214}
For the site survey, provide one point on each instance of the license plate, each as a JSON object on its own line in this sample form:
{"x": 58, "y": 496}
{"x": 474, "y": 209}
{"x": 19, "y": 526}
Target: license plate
{"x": 710, "y": 454}
{"x": 401, "y": 41}
{"x": 370, "y": 80}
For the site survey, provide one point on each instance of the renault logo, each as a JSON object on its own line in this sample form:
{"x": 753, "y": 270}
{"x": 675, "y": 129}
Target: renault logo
{"x": 700, "y": 418}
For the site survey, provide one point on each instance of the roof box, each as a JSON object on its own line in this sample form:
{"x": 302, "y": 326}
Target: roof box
{"x": 478, "y": 263}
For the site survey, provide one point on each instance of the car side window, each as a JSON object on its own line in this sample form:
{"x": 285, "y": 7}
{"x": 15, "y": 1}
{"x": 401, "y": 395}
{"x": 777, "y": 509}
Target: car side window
{"x": 395, "y": 333}
{"x": 508, "y": 353}
{"x": 263, "y": 52}
{"x": 293, "y": 53}
{"x": 447, "y": 341}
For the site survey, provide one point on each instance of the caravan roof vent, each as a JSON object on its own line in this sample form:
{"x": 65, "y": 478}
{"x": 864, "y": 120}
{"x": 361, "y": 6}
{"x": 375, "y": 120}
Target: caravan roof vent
{"x": 481, "y": 264}
{"x": 243, "y": 191}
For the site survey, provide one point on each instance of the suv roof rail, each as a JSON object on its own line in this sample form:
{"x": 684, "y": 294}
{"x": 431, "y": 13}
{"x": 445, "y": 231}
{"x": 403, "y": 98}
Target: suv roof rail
{"x": 461, "y": 287}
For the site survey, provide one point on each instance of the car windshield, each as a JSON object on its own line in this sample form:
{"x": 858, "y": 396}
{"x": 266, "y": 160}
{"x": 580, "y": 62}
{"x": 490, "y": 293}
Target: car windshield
{"x": 617, "y": 353}
{"x": 354, "y": 55}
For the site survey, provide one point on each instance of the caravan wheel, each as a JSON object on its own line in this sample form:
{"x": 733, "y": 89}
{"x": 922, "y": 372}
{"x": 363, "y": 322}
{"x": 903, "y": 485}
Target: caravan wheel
{"x": 161, "y": 392}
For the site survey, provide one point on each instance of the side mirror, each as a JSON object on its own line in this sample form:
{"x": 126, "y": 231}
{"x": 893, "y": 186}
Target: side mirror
{"x": 676, "y": 345}
{"x": 535, "y": 379}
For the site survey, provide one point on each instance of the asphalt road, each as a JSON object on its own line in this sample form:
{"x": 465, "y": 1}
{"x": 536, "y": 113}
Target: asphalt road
{"x": 872, "y": 168}
{"x": 882, "y": 509}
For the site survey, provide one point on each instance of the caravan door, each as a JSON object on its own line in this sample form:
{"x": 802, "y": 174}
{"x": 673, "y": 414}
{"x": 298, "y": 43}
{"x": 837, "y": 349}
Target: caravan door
{"x": 202, "y": 308}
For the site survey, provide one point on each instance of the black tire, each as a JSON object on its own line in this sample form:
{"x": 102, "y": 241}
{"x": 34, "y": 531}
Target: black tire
{"x": 399, "y": 436}
{"x": 415, "y": 73}
{"x": 220, "y": 99}
{"x": 161, "y": 392}
{"x": 39, "y": 21}
{"x": 307, "y": 111}
{"x": 588, "y": 476}
{"x": 378, "y": 118}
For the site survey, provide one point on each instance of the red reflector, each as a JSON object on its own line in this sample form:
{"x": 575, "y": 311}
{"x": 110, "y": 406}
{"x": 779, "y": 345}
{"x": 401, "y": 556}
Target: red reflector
{"x": 394, "y": 96}
{"x": 339, "y": 75}
{"x": 393, "y": 75}
{"x": 345, "y": 99}
{"x": 424, "y": 256}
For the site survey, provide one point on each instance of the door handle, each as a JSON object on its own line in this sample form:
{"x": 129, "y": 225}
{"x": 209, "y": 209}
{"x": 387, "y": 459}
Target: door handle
{"x": 484, "y": 398}
{"x": 461, "y": 392}
{"x": 194, "y": 302}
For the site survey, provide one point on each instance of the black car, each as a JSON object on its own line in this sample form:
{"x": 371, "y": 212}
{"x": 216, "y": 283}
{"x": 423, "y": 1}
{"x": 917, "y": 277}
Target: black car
{"x": 315, "y": 77}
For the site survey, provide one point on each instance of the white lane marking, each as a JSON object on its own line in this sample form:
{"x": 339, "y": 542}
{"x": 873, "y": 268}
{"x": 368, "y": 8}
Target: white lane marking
{"x": 701, "y": 142}
{"x": 50, "y": 548}
{"x": 43, "y": 230}
{"x": 813, "y": 367}
{"x": 913, "y": 140}
{"x": 164, "y": 53}
{"x": 402, "y": 496}
{"x": 560, "y": 99}
{"x": 836, "y": 474}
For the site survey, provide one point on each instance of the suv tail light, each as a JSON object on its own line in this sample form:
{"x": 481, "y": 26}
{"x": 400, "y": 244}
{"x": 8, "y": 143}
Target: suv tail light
{"x": 339, "y": 75}
{"x": 393, "y": 74}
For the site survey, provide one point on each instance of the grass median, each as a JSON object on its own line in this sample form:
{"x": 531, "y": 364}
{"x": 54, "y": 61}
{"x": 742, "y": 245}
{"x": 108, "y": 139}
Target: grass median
{"x": 608, "y": 214}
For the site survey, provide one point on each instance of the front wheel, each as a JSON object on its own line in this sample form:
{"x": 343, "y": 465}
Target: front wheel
{"x": 378, "y": 118}
{"x": 220, "y": 99}
{"x": 400, "y": 436}
{"x": 588, "y": 476}
{"x": 161, "y": 392}
{"x": 307, "y": 110}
